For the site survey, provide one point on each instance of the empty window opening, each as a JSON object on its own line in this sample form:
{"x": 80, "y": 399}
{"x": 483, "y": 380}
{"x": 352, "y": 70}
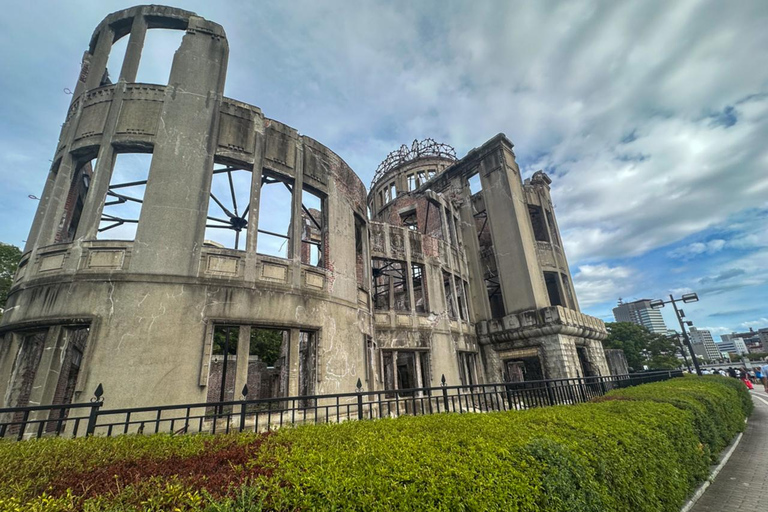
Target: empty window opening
{"x": 122, "y": 205}
{"x": 405, "y": 370}
{"x": 392, "y": 191}
{"x": 539, "y": 224}
{"x": 431, "y": 174}
{"x": 73, "y": 208}
{"x": 412, "y": 182}
{"x": 421, "y": 178}
{"x": 553, "y": 289}
{"x": 467, "y": 368}
{"x": 312, "y": 229}
{"x": 390, "y": 285}
{"x": 409, "y": 220}
{"x": 160, "y": 46}
{"x": 75, "y": 340}
{"x": 452, "y": 228}
{"x": 461, "y": 290}
{"x": 228, "y": 207}
{"x": 267, "y": 363}
{"x": 523, "y": 369}
{"x": 419, "y": 288}
{"x": 587, "y": 368}
{"x": 433, "y": 221}
{"x": 115, "y": 61}
{"x": 487, "y": 257}
{"x": 223, "y": 366}
{"x": 275, "y": 215}
{"x": 24, "y": 372}
{"x": 359, "y": 254}
{"x": 475, "y": 186}
{"x": 553, "y": 228}
{"x": 450, "y": 307}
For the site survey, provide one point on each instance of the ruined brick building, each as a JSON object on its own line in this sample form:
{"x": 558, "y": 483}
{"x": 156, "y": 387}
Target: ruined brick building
{"x": 186, "y": 245}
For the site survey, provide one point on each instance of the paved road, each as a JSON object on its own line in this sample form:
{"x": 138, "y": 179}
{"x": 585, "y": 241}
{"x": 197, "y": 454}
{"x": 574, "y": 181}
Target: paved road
{"x": 742, "y": 485}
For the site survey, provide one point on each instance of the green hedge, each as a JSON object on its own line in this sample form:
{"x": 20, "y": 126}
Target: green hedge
{"x": 637, "y": 449}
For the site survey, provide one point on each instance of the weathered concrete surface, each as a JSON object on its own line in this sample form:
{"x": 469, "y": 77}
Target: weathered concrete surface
{"x": 153, "y": 306}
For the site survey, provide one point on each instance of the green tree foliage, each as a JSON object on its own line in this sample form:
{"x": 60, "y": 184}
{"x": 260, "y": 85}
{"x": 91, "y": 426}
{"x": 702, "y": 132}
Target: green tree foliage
{"x": 9, "y": 262}
{"x": 641, "y": 347}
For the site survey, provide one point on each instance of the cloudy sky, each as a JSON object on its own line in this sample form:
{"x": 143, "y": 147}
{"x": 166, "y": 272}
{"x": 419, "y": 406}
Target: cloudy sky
{"x": 651, "y": 117}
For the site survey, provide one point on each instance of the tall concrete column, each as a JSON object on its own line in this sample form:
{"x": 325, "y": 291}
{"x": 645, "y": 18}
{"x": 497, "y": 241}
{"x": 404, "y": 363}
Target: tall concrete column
{"x": 296, "y": 227}
{"x": 100, "y": 56}
{"x": 133, "y": 50}
{"x": 522, "y": 284}
{"x": 171, "y": 227}
{"x": 251, "y": 243}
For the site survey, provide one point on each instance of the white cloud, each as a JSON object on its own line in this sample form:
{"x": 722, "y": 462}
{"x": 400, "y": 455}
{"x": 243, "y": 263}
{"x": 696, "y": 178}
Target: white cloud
{"x": 601, "y": 283}
{"x": 760, "y": 323}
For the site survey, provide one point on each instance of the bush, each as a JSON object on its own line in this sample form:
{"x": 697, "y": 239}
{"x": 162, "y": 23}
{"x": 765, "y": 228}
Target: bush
{"x": 637, "y": 449}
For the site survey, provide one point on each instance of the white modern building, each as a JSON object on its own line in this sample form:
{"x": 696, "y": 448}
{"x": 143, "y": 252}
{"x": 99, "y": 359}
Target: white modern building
{"x": 731, "y": 344}
{"x": 640, "y": 312}
{"x": 703, "y": 343}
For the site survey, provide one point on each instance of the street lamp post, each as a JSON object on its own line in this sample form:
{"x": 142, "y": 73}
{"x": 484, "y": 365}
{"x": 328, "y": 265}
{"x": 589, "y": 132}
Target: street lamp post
{"x": 688, "y": 297}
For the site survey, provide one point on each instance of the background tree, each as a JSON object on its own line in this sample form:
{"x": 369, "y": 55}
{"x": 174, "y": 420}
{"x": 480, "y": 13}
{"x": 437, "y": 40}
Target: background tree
{"x": 9, "y": 262}
{"x": 641, "y": 347}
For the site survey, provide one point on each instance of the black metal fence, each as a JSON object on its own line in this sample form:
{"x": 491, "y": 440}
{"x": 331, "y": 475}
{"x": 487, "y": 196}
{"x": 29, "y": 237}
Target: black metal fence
{"x": 267, "y": 414}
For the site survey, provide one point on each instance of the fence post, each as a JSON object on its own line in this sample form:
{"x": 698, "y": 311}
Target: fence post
{"x": 96, "y": 402}
{"x": 550, "y": 394}
{"x": 510, "y": 402}
{"x": 242, "y": 408}
{"x": 359, "y": 399}
{"x": 445, "y": 393}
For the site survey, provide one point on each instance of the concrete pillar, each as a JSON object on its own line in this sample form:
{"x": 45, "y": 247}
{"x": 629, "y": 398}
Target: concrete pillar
{"x": 241, "y": 371}
{"x": 479, "y": 295}
{"x": 133, "y": 49}
{"x": 98, "y": 62}
{"x": 171, "y": 227}
{"x": 295, "y": 245}
{"x": 522, "y": 284}
{"x": 9, "y": 349}
{"x": 293, "y": 362}
{"x": 251, "y": 261}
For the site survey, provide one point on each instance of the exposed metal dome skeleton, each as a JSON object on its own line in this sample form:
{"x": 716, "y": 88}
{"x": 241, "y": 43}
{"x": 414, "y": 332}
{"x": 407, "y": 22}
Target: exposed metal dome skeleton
{"x": 424, "y": 148}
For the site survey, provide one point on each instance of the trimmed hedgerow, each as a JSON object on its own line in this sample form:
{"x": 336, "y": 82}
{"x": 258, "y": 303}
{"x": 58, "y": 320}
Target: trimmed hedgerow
{"x": 638, "y": 449}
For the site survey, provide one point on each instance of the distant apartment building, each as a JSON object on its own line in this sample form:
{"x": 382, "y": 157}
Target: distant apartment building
{"x": 640, "y": 312}
{"x": 755, "y": 340}
{"x": 732, "y": 344}
{"x": 703, "y": 344}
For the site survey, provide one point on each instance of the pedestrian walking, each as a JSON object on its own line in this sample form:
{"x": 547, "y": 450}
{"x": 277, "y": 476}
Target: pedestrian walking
{"x": 764, "y": 371}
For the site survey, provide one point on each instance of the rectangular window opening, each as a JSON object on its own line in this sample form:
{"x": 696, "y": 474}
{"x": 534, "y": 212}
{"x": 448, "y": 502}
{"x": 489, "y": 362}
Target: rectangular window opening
{"x": 475, "y": 186}
{"x": 312, "y": 229}
{"x": 160, "y": 46}
{"x": 115, "y": 61}
{"x": 553, "y": 228}
{"x": 404, "y": 371}
{"x": 567, "y": 289}
{"x": 359, "y": 258}
{"x": 73, "y": 208}
{"x": 553, "y": 289}
{"x": 412, "y": 182}
{"x": 125, "y": 196}
{"x": 539, "y": 224}
{"x": 229, "y": 207}
{"x": 390, "y": 285}
{"x": 392, "y": 191}
{"x": 409, "y": 220}
{"x": 419, "y": 288}
{"x": 275, "y": 216}
{"x": 467, "y": 368}
{"x": 448, "y": 290}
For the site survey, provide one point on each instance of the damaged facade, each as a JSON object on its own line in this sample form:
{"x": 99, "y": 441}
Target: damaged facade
{"x": 186, "y": 245}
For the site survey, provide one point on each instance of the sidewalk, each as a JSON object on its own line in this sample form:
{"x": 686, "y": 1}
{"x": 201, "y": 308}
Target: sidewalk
{"x": 743, "y": 483}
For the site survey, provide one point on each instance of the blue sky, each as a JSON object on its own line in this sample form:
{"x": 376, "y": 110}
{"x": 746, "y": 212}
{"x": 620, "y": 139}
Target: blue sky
{"x": 649, "y": 116}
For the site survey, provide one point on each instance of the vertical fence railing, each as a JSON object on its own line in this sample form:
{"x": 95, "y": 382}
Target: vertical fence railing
{"x": 261, "y": 415}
